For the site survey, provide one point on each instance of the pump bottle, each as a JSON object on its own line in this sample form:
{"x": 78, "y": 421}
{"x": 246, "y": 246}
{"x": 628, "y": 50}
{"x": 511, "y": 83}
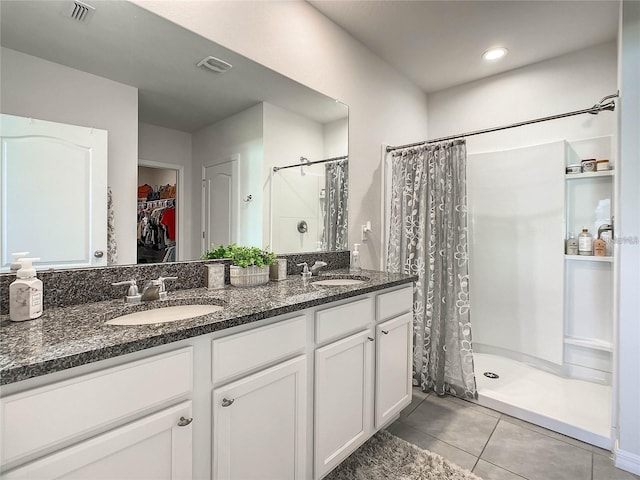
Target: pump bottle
{"x": 355, "y": 266}
{"x": 25, "y": 293}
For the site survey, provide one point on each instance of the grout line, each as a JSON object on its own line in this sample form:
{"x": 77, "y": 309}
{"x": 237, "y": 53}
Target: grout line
{"x": 506, "y": 469}
{"x": 401, "y": 420}
{"x": 487, "y": 443}
{"x": 532, "y": 428}
{"x": 592, "y": 465}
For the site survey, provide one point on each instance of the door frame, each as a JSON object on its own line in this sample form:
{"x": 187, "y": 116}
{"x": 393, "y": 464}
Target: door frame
{"x": 234, "y": 160}
{"x": 180, "y": 199}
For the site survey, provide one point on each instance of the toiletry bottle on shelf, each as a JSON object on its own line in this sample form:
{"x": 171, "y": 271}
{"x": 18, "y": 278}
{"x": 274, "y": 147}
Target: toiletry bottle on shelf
{"x": 571, "y": 245}
{"x": 355, "y": 267}
{"x": 25, "y": 293}
{"x": 585, "y": 243}
{"x": 599, "y": 247}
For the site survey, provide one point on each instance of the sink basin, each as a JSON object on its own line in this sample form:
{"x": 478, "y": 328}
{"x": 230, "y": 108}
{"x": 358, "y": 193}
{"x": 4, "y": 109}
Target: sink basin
{"x": 336, "y": 282}
{"x": 164, "y": 314}
{"x": 340, "y": 280}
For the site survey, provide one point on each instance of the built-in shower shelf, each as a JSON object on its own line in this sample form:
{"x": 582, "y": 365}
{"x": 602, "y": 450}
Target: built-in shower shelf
{"x": 589, "y": 258}
{"x": 577, "y": 176}
{"x": 589, "y": 343}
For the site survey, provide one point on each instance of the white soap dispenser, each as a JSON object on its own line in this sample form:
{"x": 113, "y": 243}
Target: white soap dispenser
{"x": 15, "y": 264}
{"x": 355, "y": 266}
{"x": 25, "y": 293}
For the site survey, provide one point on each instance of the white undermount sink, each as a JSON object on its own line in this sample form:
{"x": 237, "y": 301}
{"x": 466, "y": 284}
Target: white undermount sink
{"x": 337, "y": 282}
{"x": 164, "y": 314}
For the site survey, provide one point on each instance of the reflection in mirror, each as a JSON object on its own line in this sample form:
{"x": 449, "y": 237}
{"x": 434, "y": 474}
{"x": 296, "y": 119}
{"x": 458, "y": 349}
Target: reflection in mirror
{"x": 309, "y": 205}
{"x": 134, "y": 76}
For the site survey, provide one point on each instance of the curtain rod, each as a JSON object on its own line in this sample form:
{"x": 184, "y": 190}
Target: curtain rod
{"x": 304, "y": 164}
{"x": 597, "y": 108}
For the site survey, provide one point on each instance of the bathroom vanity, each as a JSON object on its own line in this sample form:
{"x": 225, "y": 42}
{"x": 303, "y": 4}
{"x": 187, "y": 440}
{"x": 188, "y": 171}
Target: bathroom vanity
{"x": 285, "y": 381}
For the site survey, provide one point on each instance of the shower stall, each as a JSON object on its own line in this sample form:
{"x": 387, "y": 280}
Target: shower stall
{"x": 542, "y": 320}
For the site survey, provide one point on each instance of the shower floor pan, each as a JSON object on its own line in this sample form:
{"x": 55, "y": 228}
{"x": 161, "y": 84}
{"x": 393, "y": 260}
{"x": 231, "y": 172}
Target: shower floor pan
{"x": 575, "y": 408}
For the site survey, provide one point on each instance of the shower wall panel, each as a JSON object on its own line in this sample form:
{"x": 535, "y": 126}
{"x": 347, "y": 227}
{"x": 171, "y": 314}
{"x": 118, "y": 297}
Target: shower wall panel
{"x": 516, "y": 249}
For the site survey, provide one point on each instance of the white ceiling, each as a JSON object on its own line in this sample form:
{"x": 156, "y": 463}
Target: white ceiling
{"x": 130, "y": 45}
{"x": 438, "y": 44}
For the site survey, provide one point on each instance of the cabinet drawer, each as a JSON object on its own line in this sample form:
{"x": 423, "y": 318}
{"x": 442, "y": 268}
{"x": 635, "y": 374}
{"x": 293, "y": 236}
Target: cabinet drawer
{"x": 339, "y": 321}
{"x": 45, "y": 416}
{"x": 394, "y": 303}
{"x": 243, "y": 352}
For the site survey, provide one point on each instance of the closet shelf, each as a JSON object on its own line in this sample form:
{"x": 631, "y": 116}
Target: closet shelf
{"x": 588, "y": 258}
{"x": 592, "y": 343}
{"x": 577, "y": 176}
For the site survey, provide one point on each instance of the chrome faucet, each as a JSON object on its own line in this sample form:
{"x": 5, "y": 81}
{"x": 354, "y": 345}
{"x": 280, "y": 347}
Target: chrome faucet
{"x": 155, "y": 289}
{"x": 132, "y": 295}
{"x": 315, "y": 268}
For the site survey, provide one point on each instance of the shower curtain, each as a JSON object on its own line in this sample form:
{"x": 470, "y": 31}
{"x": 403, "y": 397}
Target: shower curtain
{"x": 428, "y": 238}
{"x": 334, "y": 236}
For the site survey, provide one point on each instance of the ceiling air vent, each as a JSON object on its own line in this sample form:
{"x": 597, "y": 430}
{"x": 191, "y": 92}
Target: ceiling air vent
{"x": 80, "y": 11}
{"x": 214, "y": 64}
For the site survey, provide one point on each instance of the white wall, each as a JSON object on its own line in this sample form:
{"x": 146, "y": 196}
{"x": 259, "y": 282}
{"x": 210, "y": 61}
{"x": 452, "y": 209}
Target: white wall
{"x": 297, "y": 41}
{"x": 336, "y": 138}
{"x": 287, "y": 137}
{"x": 628, "y": 225}
{"x": 239, "y": 134}
{"x": 33, "y": 87}
{"x": 571, "y": 82}
{"x": 165, "y": 145}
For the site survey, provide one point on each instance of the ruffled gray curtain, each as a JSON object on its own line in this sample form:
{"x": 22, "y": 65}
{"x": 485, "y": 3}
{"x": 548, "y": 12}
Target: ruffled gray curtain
{"x": 334, "y": 236}
{"x": 428, "y": 238}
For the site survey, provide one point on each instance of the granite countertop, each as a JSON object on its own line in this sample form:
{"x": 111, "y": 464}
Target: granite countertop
{"x": 67, "y": 337}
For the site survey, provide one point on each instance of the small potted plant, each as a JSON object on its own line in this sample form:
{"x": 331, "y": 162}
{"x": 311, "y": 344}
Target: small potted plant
{"x": 249, "y": 265}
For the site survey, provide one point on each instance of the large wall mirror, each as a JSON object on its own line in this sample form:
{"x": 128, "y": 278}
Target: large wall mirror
{"x": 113, "y": 116}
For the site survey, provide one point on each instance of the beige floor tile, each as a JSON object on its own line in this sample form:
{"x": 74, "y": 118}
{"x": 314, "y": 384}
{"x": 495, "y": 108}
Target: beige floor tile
{"x": 604, "y": 469}
{"x": 427, "y": 442}
{"x": 489, "y": 471}
{"x": 536, "y": 456}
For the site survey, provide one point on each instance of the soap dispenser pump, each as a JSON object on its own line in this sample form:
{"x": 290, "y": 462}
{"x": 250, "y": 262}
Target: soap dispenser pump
{"x": 25, "y": 293}
{"x": 355, "y": 266}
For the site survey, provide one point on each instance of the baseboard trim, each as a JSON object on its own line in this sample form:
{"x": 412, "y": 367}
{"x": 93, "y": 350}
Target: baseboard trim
{"x": 628, "y": 461}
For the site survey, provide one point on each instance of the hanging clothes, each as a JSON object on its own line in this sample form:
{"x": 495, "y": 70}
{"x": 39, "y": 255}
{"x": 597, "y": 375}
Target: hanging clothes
{"x": 169, "y": 221}
{"x": 428, "y": 238}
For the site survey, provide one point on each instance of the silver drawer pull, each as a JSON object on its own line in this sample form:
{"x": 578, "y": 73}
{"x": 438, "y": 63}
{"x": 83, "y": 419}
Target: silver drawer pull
{"x": 226, "y": 402}
{"x": 386, "y": 332}
{"x": 98, "y": 254}
{"x": 371, "y": 339}
{"x": 183, "y": 422}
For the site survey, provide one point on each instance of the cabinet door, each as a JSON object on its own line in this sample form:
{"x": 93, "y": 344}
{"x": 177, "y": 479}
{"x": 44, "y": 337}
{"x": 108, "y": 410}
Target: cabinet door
{"x": 154, "y": 448}
{"x": 343, "y": 399}
{"x": 393, "y": 367}
{"x": 259, "y": 424}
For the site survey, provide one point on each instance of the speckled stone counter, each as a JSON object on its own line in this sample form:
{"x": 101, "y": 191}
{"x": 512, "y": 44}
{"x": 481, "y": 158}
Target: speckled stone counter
{"x": 67, "y": 337}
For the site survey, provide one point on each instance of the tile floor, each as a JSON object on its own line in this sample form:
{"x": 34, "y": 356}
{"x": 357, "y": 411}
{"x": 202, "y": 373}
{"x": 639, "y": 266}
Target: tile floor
{"x": 499, "y": 447}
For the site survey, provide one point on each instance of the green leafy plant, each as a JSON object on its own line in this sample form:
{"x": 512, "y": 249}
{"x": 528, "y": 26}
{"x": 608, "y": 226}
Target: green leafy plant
{"x": 241, "y": 256}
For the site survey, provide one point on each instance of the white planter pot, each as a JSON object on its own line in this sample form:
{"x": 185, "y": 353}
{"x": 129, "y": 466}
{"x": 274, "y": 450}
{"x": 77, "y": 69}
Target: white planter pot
{"x": 249, "y": 276}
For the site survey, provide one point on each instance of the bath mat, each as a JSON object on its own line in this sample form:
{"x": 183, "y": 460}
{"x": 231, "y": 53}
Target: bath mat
{"x": 385, "y": 456}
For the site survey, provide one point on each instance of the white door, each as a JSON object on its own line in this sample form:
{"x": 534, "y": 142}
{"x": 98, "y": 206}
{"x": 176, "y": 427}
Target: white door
{"x": 343, "y": 399}
{"x": 152, "y": 448}
{"x": 53, "y": 192}
{"x": 219, "y": 203}
{"x": 394, "y": 341}
{"x": 259, "y": 425}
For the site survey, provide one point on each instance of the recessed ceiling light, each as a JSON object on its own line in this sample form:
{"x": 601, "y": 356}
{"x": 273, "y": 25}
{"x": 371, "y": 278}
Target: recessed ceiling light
{"x": 494, "y": 53}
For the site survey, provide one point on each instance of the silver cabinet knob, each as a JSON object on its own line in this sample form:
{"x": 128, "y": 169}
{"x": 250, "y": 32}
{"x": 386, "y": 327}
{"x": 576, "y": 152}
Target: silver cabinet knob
{"x": 386, "y": 332}
{"x": 183, "y": 422}
{"x": 226, "y": 402}
{"x": 98, "y": 254}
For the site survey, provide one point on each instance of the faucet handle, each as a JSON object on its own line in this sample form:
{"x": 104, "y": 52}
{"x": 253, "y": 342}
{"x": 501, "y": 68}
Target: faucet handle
{"x": 163, "y": 291}
{"x": 133, "y": 295}
{"x": 305, "y": 267}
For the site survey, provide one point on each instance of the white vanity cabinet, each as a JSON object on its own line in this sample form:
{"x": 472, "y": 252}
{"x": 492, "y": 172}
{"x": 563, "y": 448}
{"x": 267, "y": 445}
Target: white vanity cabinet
{"x": 260, "y": 420}
{"x": 284, "y": 398}
{"x": 156, "y": 447}
{"x": 118, "y": 422}
{"x": 358, "y": 391}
